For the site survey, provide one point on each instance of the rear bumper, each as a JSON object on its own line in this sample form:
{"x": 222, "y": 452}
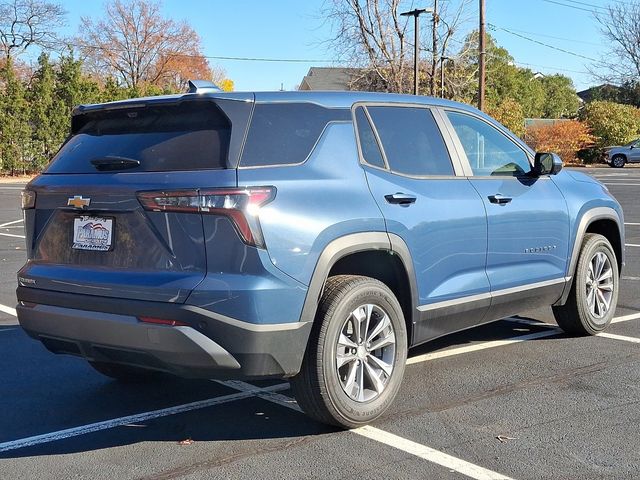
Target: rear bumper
{"x": 212, "y": 346}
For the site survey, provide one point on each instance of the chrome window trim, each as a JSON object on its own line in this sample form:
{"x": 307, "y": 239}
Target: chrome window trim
{"x": 498, "y": 293}
{"x": 455, "y": 164}
{"x": 463, "y": 154}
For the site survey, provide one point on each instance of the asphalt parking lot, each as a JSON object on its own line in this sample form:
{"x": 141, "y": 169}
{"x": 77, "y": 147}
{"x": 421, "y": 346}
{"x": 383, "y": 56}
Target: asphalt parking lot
{"x": 515, "y": 399}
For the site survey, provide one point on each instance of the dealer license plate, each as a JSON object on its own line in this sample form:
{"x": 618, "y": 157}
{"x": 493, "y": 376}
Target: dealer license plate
{"x": 92, "y": 233}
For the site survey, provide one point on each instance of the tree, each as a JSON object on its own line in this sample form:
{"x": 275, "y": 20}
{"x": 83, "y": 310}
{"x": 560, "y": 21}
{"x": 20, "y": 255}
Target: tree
{"x": 15, "y": 133}
{"x": 611, "y": 123}
{"x": 560, "y": 100}
{"x": 509, "y": 113}
{"x": 566, "y": 138}
{"x": 24, "y": 23}
{"x": 44, "y": 116}
{"x": 620, "y": 25}
{"x": 373, "y": 35}
{"x": 136, "y": 45}
{"x": 547, "y": 96}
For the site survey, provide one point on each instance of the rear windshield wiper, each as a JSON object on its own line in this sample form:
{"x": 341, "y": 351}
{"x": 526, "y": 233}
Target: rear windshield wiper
{"x": 109, "y": 163}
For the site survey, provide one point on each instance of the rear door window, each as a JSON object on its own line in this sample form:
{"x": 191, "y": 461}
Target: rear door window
{"x": 285, "y": 133}
{"x": 188, "y": 136}
{"x": 411, "y": 140}
{"x": 368, "y": 143}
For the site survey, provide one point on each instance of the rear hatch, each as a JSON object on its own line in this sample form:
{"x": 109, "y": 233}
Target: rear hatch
{"x": 88, "y": 231}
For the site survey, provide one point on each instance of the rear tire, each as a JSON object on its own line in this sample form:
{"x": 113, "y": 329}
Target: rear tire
{"x": 127, "y": 373}
{"x": 594, "y": 294}
{"x": 618, "y": 161}
{"x": 340, "y": 383}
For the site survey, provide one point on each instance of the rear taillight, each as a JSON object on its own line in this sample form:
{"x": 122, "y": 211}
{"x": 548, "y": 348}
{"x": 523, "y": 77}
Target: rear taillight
{"x": 28, "y": 199}
{"x": 240, "y": 205}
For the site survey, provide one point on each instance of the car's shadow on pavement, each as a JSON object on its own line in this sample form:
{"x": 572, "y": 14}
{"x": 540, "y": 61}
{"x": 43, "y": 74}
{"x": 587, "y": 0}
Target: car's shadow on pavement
{"x": 244, "y": 419}
{"x": 53, "y": 394}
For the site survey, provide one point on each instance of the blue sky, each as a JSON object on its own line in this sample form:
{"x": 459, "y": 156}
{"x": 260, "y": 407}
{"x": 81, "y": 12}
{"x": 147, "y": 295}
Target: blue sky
{"x": 296, "y": 30}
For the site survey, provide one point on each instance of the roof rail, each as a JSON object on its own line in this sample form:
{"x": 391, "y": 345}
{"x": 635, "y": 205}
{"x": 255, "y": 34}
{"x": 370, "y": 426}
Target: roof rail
{"x": 202, "y": 86}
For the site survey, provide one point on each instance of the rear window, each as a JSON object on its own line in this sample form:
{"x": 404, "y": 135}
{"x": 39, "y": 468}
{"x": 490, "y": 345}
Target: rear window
{"x": 188, "y": 136}
{"x": 285, "y": 133}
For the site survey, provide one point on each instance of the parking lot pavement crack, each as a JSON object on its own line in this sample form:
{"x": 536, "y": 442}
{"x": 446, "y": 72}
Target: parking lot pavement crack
{"x": 210, "y": 463}
{"x": 578, "y": 415}
{"x": 560, "y": 377}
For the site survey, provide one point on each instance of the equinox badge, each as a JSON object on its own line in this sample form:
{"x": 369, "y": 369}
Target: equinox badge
{"x": 78, "y": 202}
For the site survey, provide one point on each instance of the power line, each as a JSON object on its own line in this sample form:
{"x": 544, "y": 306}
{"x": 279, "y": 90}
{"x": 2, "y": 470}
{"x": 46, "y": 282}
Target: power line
{"x": 535, "y": 34}
{"x": 583, "y": 3}
{"x": 553, "y": 47}
{"x": 569, "y": 6}
{"x": 212, "y": 57}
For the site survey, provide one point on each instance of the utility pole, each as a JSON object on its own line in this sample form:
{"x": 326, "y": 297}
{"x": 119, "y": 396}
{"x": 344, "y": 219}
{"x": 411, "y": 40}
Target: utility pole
{"x": 434, "y": 61}
{"x": 416, "y": 52}
{"x": 481, "y": 60}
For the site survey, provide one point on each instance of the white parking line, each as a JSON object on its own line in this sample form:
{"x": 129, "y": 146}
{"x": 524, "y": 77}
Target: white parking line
{"x": 140, "y": 417}
{"x": 426, "y": 453}
{"x": 268, "y": 393}
{"x": 631, "y": 245}
{"x": 626, "y": 318}
{"x": 9, "y": 310}
{"x": 624, "y": 184}
{"x": 624, "y": 338}
{"x": 10, "y": 223}
{"x": 452, "y": 463}
{"x": 479, "y": 346}
{"x": 11, "y": 235}
{"x": 632, "y": 223}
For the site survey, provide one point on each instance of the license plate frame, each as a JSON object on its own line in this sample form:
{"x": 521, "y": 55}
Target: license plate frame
{"x": 92, "y": 233}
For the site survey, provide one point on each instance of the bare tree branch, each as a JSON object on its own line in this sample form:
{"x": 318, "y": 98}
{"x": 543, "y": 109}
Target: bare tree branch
{"x": 137, "y": 45}
{"x": 26, "y": 23}
{"x": 620, "y": 25}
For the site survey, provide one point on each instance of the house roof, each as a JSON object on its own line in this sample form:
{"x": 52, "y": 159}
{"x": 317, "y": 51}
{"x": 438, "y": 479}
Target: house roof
{"x": 597, "y": 92}
{"x": 328, "y": 78}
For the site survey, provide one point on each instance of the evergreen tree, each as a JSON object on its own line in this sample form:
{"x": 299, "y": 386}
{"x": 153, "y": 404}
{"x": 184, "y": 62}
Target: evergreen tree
{"x": 46, "y": 119}
{"x": 15, "y": 131}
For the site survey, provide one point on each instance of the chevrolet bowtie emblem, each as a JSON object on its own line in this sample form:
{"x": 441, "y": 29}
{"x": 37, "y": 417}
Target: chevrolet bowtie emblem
{"x": 78, "y": 202}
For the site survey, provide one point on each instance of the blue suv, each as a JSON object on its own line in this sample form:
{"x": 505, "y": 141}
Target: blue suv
{"x": 302, "y": 235}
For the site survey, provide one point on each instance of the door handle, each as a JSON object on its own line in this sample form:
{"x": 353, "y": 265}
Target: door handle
{"x": 400, "y": 198}
{"x": 499, "y": 199}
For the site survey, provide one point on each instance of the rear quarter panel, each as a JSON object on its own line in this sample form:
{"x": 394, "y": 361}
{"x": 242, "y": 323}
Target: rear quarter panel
{"x": 322, "y": 199}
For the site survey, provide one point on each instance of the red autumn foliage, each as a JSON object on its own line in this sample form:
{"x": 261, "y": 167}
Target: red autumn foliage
{"x": 565, "y": 138}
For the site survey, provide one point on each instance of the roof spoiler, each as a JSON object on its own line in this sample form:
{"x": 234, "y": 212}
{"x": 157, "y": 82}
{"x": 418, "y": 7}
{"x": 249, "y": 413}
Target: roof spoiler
{"x": 202, "y": 86}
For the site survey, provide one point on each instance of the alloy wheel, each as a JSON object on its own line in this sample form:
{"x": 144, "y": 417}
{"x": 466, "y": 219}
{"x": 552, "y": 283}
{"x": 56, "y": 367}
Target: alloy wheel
{"x": 365, "y": 353}
{"x": 599, "y": 285}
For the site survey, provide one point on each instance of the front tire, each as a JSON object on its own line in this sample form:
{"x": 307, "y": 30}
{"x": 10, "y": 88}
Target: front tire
{"x": 594, "y": 294}
{"x": 618, "y": 161}
{"x": 356, "y": 354}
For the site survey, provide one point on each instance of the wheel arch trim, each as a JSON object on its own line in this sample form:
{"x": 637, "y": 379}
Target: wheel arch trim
{"x": 355, "y": 243}
{"x": 590, "y": 216}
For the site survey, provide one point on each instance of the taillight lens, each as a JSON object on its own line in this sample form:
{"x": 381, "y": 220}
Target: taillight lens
{"x": 240, "y": 205}
{"x": 28, "y": 199}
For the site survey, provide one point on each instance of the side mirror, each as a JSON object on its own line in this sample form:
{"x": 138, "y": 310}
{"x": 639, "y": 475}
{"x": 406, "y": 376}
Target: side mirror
{"x": 547, "y": 164}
